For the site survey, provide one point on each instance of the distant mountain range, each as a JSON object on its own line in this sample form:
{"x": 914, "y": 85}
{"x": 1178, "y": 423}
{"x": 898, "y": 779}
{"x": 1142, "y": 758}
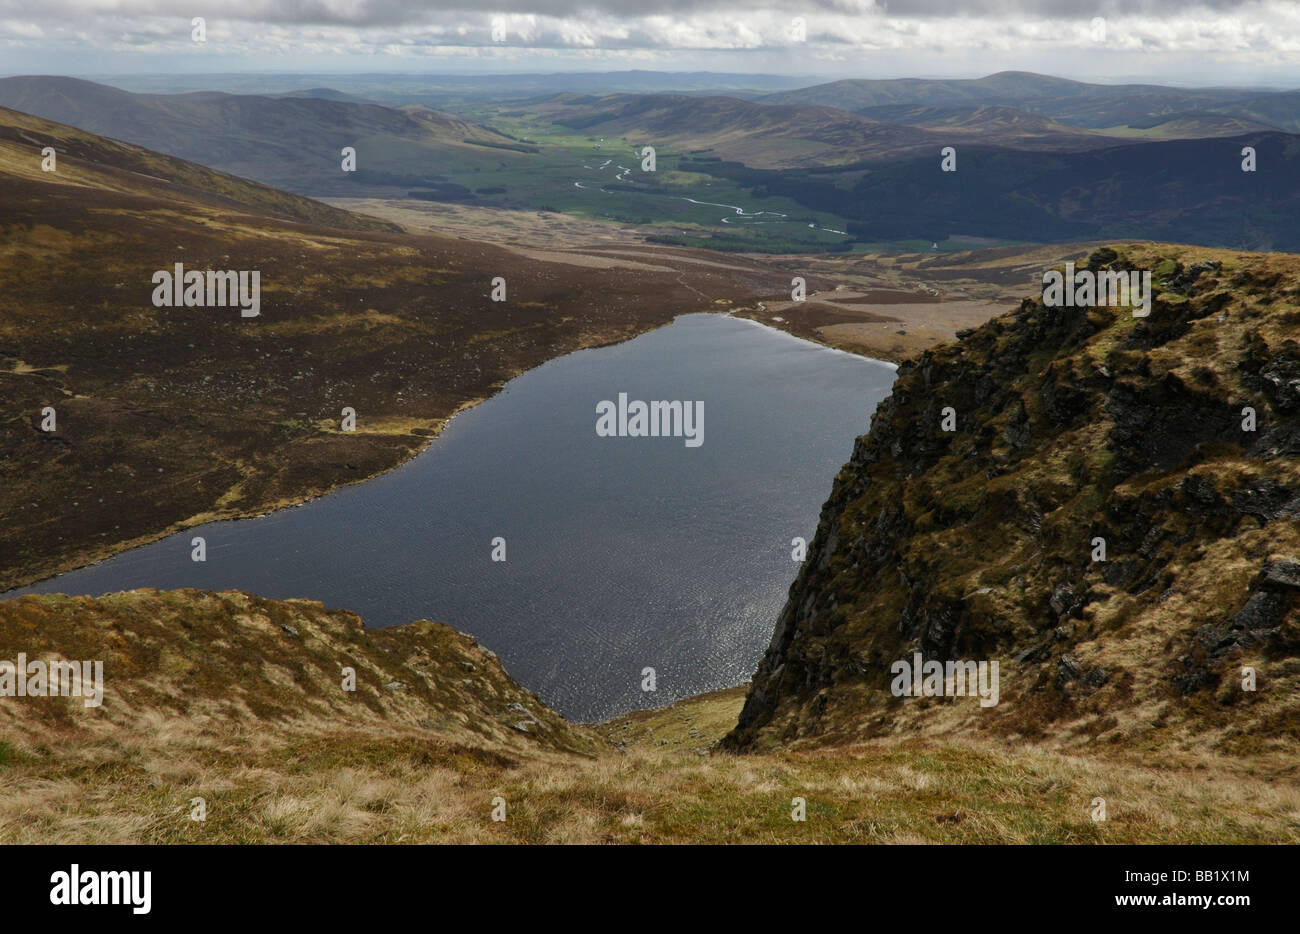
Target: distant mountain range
{"x": 1092, "y": 106}
{"x": 430, "y": 89}
{"x": 1020, "y": 175}
{"x": 1041, "y": 159}
{"x": 788, "y": 136}
{"x": 293, "y": 141}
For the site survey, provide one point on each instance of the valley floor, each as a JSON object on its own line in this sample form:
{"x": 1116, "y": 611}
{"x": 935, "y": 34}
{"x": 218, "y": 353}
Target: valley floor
{"x": 887, "y": 306}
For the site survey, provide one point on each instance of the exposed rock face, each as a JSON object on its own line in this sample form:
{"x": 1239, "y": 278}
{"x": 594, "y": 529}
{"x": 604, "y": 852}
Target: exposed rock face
{"x": 1073, "y": 426}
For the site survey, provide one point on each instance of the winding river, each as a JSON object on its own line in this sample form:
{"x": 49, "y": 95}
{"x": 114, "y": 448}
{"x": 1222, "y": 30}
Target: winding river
{"x": 739, "y": 214}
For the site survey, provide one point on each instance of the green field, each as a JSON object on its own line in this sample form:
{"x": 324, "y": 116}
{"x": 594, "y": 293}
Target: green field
{"x": 545, "y": 181}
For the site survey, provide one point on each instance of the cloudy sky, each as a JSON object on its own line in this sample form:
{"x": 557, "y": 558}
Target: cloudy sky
{"x": 1198, "y": 42}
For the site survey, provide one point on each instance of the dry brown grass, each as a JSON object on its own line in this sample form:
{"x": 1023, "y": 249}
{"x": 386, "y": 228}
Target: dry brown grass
{"x": 424, "y": 764}
{"x": 391, "y": 786}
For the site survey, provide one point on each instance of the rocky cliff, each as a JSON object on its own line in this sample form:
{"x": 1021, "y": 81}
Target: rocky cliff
{"x": 1113, "y": 519}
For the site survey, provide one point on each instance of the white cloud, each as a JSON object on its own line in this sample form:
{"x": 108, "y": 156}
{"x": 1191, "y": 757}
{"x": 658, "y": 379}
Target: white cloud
{"x": 1245, "y": 35}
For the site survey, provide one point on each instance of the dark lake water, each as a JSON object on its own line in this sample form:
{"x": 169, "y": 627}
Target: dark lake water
{"x": 622, "y": 553}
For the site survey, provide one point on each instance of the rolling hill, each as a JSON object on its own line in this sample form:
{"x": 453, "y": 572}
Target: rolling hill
{"x": 774, "y": 136}
{"x": 1021, "y": 177}
{"x": 1192, "y": 191}
{"x": 1007, "y": 87}
{"x": 1032, "y": 177}
{"x": 965, "y": 117}
{"x": 756, "y": 134}
{"x": 1076, "y": 103}
{"x": 291, "y": 142}
{"x": 1030, "y": 130}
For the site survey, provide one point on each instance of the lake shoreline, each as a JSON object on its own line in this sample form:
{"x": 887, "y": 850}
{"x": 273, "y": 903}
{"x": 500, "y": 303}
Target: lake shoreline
{"x": 436, "y": 426}
{"x": 596, "y": 527}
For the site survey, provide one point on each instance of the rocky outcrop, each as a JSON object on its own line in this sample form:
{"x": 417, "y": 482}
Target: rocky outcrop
{"x": 1113, "y": 520}
{"x": 289, "y": 668}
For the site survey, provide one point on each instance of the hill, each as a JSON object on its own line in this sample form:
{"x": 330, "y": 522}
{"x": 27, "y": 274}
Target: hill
{"x": 1175, "y": 190}
{"x": 86, "y": 161}
{"x": 964, "y": 117}
{"x": 291, "y": 142}
{"x": 1007, "y": 87}
{"x": 767, "y": 135}
{"x": 1073, "y": 426}
{"x": 1077, "y": 103}
{"x": 1151, "y": 172}
{"x": 756, "y": 134}
{"x": 1191, "y": 125}
{"x": 1028, "y": 129}
{"x": 237, "y": 704}
{"x": 1020, "y": 176}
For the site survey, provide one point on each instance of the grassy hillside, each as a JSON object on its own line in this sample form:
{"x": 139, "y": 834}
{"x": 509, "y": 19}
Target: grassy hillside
{"x": 1176, "y": 190}
{"x": 1191, "y": 125}
{"x": 1029, "y": 130}
{"x": 776, "y": 136}
{"x": 966, "y": 118}
{"x": 86, "y": 162}
{"x": 239, "y": 701}
{"x": 292, "y": 142}
{"x": 756, "y": 134}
